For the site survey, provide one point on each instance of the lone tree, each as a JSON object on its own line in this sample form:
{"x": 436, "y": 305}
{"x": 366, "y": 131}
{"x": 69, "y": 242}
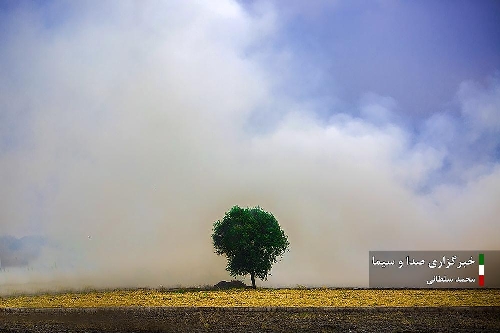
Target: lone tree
{"x": 252, "y": 240}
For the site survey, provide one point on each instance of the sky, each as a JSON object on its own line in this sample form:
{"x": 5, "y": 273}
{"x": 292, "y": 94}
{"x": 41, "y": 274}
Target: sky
{"x": 127, "y": 128}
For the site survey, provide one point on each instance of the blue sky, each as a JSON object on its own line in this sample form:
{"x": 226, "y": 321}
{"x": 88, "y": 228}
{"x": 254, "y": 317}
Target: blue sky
{"x": 416, "y": 52}
{"x": 140, "y": 122}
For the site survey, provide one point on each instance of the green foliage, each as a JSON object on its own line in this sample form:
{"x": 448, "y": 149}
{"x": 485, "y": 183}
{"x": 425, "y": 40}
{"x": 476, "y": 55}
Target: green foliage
{"x": 252, "y": 240}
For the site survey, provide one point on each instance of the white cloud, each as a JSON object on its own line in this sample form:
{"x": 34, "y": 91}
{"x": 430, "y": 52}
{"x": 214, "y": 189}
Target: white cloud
{"x": 481, "y": 105}
{"x": 377, "y": 109}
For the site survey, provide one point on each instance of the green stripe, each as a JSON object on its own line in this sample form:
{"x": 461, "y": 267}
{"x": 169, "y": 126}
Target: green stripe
{"x": 481, "y": 258}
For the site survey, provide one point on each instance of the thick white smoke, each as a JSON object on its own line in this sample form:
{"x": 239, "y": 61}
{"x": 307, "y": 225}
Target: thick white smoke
{"x": 139, "y": 124}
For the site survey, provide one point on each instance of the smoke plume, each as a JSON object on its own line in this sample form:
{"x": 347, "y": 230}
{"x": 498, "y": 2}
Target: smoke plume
{"x": 127, "y": 129}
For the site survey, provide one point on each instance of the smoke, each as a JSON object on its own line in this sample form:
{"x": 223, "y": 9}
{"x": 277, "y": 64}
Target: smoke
{"x": 126, "y": 131}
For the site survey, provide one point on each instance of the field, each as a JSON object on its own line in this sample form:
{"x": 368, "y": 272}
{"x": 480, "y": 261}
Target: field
{"x": 261, "y": 310}
{"x": 258, "y": 298}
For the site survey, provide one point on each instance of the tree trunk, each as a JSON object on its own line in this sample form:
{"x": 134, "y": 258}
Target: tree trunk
{"x": 252, "y": 276}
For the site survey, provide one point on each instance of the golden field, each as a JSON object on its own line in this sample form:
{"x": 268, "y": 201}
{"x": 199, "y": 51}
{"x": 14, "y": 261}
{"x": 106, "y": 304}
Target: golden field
{"x": 258, "y": 298}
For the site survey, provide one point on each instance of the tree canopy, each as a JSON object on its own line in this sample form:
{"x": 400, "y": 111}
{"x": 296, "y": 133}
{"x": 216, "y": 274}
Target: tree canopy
{"x": 251, "y": 239}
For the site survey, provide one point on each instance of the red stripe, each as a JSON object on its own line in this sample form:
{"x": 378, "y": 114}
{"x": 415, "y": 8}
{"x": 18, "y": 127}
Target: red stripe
{"x": 481, "y": 280}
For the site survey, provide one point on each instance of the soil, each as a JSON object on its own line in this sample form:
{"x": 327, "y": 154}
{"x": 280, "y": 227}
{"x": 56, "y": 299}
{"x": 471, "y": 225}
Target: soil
{"x": 278, "y": 319}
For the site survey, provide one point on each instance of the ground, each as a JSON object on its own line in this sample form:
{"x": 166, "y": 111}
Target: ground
{"x": 194, "y": 319}
{"x": 287, "y": 310}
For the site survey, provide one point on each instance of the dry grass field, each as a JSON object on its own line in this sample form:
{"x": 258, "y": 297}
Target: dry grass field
{"x": 258, "y": 298}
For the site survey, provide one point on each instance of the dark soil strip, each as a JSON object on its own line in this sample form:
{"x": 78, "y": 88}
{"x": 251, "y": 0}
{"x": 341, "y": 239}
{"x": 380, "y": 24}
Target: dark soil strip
{"x": 279, "y": 319}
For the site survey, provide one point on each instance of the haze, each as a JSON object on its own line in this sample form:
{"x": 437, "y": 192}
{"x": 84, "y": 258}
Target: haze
{"x": 127, "y": 128}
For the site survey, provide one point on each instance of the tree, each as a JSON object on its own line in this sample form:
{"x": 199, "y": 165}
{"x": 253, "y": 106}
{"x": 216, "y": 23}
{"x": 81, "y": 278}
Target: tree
{"x": 252, "y": 241}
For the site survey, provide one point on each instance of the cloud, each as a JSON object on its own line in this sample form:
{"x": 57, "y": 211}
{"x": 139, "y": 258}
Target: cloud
{"x": 141, "y": 124}
{"x": 481, "y": 105}
{"x": 377, "y": 109}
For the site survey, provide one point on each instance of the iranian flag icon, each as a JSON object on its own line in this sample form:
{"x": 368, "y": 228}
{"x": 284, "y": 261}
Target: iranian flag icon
{"x": 481, "y": 269}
